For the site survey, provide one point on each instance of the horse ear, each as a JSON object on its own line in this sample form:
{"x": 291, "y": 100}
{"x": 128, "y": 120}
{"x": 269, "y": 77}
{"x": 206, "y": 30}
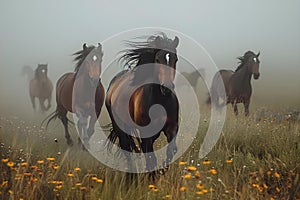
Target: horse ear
{"x": 175, "y": 42}
{"x": 84, "y": 46}
{"x": 258, "y": 54}
{"x": 99, "y": 46}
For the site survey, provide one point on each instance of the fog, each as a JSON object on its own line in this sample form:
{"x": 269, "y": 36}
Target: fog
{"x": 35, "y": 31}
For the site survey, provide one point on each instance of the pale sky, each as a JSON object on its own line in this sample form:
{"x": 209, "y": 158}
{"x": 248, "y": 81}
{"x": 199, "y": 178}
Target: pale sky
{"x": 40, "y": 31}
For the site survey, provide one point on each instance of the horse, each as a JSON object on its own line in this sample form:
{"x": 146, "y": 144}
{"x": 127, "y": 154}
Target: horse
{"x": 237, "y": 84}
{"x": 81, "y": 92}
{"x": 40, "y": 86}
{"x": 194, "y": 76}
{"x": 150, "y": 78}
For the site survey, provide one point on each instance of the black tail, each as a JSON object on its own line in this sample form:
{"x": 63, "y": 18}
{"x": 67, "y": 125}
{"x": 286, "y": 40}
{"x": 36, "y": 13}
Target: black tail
{"x": 53, "y": 116}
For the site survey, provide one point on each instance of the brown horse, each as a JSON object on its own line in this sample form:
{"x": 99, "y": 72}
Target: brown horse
{"x": 81, "y": 92}
{"x": 40, "y": 86}
{"x": 133, "y": 92}
{"x": 237, "y": 84}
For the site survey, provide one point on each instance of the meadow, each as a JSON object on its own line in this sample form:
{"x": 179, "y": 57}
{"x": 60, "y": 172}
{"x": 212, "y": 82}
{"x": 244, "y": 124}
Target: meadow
{"x": 255, "y": 158}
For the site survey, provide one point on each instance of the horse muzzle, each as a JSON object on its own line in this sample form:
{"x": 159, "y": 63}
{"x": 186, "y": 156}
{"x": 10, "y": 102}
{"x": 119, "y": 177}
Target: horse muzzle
{"x": 256, "y": 76}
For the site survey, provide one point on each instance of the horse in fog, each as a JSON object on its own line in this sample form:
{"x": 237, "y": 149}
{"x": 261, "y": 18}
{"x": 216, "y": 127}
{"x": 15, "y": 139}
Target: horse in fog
{"x": 40, "y": 86}
{"x": 237, "y": 84}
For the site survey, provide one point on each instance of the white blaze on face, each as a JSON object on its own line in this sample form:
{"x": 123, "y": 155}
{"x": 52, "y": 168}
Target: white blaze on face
{"x": 168, "y": 58}
{"x": 255, "y": 59}
{"x": 43, "y": 70}
{"x": 94, "y": 58}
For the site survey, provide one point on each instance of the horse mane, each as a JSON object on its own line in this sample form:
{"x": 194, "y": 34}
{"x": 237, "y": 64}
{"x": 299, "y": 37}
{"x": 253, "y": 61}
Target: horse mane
{"x": 244, "y": 59}
{"x": 137, "y": 51}
{"x": 80, "y": 56}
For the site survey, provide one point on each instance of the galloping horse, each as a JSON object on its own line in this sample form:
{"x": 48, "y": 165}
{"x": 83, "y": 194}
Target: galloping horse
{"x": 148, "y": 81}
{"x": 40, "y": 86}
{"x": 81, "y": 92}
{"x": 237, "y": 83}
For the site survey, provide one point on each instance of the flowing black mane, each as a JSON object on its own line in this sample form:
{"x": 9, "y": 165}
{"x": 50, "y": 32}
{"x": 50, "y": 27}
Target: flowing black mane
{"x": 244, "y": 59}
{"x": 80, "y": 56}
{"x": 144, "y": 52}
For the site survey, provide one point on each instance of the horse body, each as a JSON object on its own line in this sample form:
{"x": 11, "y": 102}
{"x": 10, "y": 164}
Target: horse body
{"x": 237, "y": 84}
{"x": 41, "y": 87}
{"x": 81, "y": 92}
{"x": 143, "y": 98}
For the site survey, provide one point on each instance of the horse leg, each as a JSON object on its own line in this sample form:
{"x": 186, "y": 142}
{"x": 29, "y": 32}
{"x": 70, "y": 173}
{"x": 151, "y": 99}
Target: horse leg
{"x": 63, "y": 117}
{"x": 147, "y": 148}
{"x": 33, "y": 102}
{"x": 49, "y": 103}
{"x": 171, "y": 133}
{"x": 246, "y": 105}
{"x": 235, "y": 109}
{"x": 42, "y": 105}
{"x": 82, "y": 128}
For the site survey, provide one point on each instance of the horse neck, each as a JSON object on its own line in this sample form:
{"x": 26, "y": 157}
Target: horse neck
{"x": 244, "y": 73}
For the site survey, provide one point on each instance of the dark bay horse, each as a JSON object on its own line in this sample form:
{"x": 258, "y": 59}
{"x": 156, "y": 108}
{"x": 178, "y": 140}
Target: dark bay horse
{"x": 133, "y": 92}
{"x": 237, "y": 83}
{"x": 81, "y": 92}
{"x": 40, "y": 86}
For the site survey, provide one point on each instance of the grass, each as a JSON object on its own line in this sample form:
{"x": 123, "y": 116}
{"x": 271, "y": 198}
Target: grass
{"x": 252, "y": 160}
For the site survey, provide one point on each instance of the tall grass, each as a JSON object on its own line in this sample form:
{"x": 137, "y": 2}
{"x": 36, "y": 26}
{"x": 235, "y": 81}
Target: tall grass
{"x": 252, "y": 160}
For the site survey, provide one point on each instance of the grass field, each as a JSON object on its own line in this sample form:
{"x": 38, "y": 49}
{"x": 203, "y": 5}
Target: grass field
{"x": 252, "y": 160}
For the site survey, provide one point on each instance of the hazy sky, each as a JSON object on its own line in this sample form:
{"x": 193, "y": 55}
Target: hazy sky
{"x": 37, "y": 31}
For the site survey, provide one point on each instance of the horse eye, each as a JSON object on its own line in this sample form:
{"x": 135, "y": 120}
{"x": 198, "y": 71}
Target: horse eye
{"x": 255, "y": 59}
{"x": 94, "y": 58}
{"x": 168, "y": 58}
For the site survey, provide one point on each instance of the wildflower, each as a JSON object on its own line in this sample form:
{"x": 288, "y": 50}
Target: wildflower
{"x": 277, "y": 189}
{"x": 269, "y": 173}
{"x": 199, "y": 192}
{"x": 182, "y": 189}
{"x": 94, "y": 178}
{"x": 99, "y": 180}
{"x": 206, "y": 162}
{"x": 70, "y": 175}
{"x": 260, "y": 189}
{"x": 10, "y": 191}
{"x": 24, "y": 164}
{"x": 211, "y": 189}
{"x": 213, "y": 171}
{"x": 204, "y": 190}
{"x": 34, "y": 180}
{"x": 40, "y": 162}
{"x": 34, "y": 167}
{"x": 58, "y": 187}
{"x": 168, "y": 196}
{"x": 199, "y": 186}
{"x": 151, "y": 186}
{"x": 155, "y": 189}
{"x": 55, "y": 167}
{"x": 182, "y": 163}
{"x": 77, "y": 169}
{"x": 265, "y": 186}
{"x": 277, "y": 175}
{"x": 191, "y": 168}
{"x": 229, "y": 161}
{"x": 187, "y": 176}
{"x": 10, "y": 164}
{"x": 255, "y": 185}
{"x": 83, "y": 188}
{"x": 4, "y": 160}
{"x": 50, "y": 159}
{"x": 4, "y": 183}
{"x": 78, "y": 184}
{"x": 197, "y": 174}
{"x": 27, "y": 174}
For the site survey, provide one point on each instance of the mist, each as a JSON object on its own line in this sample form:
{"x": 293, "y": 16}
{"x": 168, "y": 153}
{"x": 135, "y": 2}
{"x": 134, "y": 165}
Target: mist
{"x": 34, "y": 32}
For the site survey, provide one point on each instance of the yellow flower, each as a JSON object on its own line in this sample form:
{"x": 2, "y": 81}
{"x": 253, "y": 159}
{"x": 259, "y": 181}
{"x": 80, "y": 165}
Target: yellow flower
{"x": 99, "y": 180}
{"x": 50, "y": 159}
{"x": 229, "y": 160}
{"x": 83, "y": 188}
{"x": 24, "y": 164}
{"x": 213, "y": 171}
{"x": 94, "y": 178}
{"x": 211, "y": 189}
{"x": 277, "y": 189}
{"x": 155, "y": 189}
{"x": 182, "y": 163}
{"x": 10, "y": 191}
{"x": 199, "y": 192}
{"x": 77, "y": 169}
{"x": 269, "y": 173}
{"x": 168, "y": 196}
{"x": 191, "y": 168}
{"x": 187, "y": 176}
{"x": 265, "y": 186}
{"x": 197, "y": 174}
{"x": 277, "y": 175}
{"x": 70, "y": 175}
{"x": 206, "y": 162}
{"x": 260, "y": 189}
{"x": 78, "y": 184}
{"x": 204, "y": 190}
{"x": 4, "y": 184}
{"x": 55, "y": 167}
{"x": 4, "y": 160}
{"x": 34, "y": 180}
{"x": 27, "y": 174}
{"x": 34, "y": 167}
{"x": 182, "y": 189}
{"x": 40, "y": 162}
{"x": 10, "y": 164}
{"x": 58, "y": 187}
{"x": 199, "y": 186}
{"x": 151, "y": 186}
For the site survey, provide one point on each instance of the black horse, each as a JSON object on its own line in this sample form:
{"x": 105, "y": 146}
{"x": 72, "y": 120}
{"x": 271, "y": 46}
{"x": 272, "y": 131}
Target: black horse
{"x": 132, "y": 92}
{"x": 237, "y": 84}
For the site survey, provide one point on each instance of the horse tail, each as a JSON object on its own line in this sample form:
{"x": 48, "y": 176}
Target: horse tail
{"x": 54, "y": 115}
{"x": 27, "y": 71}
